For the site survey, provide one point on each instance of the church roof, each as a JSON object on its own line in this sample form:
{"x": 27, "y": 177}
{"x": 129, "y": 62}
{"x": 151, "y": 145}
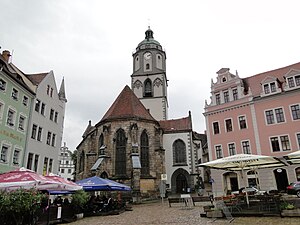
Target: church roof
{"x": 127, "y": 106}
{"x": 149, "y": 39}
{"x": 176, "y": 125}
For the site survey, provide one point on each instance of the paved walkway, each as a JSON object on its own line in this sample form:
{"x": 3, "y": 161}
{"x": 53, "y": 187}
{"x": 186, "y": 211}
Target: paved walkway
{"x": 158, "y": 213}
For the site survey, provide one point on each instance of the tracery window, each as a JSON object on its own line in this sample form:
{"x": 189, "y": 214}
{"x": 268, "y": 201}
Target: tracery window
{"x": 120, "y": 163}
{"x": 144, "y": 153}
{"x": 179, "y": 152}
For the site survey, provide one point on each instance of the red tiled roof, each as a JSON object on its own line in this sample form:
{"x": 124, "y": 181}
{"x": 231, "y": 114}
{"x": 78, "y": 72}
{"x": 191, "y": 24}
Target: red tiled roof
{"x": 36, "y": 78}
{"x": 254, "y": 82}
{"x": 127, "y": 105}
{"x": 183, "y": 124}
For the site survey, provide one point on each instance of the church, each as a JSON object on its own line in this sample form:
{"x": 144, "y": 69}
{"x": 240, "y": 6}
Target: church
{"x": 135, "y": 143}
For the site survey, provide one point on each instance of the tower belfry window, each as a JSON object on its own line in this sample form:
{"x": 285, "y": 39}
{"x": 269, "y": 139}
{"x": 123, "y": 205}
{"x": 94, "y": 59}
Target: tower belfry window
{"x": 148, "y": 88}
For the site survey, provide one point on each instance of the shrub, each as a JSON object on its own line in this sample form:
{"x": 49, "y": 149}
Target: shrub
{"x": 79, "y": 200}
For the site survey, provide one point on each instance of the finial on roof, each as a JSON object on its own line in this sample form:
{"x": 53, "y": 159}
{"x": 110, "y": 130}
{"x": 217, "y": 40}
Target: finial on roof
{"x": 62, "y": 93}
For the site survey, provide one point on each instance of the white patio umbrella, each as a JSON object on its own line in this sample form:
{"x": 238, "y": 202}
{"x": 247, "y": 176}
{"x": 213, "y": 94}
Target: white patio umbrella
{"x": 293, "y": 157}
{"x": 241, "y": 162}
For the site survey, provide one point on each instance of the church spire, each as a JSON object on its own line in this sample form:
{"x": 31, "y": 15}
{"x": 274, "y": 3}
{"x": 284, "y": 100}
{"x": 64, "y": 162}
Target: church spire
{"x": 62, "y": 93}
{"x": 149, "y": 34}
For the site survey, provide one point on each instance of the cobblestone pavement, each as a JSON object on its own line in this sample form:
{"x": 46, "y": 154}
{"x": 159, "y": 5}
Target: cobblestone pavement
{"x": 158, "y": 213}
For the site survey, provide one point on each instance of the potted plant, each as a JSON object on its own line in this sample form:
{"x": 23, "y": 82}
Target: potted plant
{"x": 79, "y": 201}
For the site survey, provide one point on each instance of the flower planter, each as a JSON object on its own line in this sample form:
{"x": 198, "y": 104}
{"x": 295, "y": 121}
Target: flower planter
{"x": 290, "y": 212}
{"x": 79, "y": 216}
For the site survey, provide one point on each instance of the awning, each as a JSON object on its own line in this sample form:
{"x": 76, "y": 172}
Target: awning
{"x": 97, "y": 164}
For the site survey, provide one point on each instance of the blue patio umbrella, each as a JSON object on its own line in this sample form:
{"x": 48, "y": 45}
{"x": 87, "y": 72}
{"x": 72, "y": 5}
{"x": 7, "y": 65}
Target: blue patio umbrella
{"x": 100, "y": 184}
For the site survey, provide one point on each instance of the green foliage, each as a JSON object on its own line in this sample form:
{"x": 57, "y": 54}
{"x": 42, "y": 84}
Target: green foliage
{"x": 79, "y": 200}
{"x": 286, "y": 205}
{"x": 19, "y": 203}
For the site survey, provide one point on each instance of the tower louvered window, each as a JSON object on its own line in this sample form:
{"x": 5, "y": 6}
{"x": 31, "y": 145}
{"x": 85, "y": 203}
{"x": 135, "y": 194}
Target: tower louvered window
{"x": 120, "y": 163}
{"x": 148, "y": 88}
{"x": 144, "y": 153}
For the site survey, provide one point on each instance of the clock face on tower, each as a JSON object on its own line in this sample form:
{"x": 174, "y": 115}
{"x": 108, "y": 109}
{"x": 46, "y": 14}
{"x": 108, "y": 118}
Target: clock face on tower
{"x": 147, "y": 56}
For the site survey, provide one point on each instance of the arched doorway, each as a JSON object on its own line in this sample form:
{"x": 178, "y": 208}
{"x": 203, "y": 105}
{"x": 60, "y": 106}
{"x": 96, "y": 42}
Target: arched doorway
{"x": 180, "y": 181}
{"x": 281, "y": 179}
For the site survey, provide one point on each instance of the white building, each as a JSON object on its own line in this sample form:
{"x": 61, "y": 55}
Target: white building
{"x": 66, "y": 164}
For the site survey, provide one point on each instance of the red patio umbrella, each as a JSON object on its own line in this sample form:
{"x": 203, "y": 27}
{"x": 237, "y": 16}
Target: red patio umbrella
{"x": 26, "y": 179}
{"x": 67, "y": 185}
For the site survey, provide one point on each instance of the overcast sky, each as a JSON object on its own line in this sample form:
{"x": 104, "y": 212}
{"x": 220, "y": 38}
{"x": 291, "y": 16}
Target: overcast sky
{"x": 90, "y": 44}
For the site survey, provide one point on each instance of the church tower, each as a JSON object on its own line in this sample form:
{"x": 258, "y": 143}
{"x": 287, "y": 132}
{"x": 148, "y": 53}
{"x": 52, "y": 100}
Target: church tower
{"x": 149, "y": 79}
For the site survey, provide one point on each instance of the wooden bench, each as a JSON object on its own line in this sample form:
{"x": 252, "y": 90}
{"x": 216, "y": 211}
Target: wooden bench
{"x": 201, "y": 199}
{"x": 176, "y": 200}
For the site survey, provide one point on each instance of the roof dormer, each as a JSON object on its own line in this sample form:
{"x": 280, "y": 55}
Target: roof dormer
{"x": 270, "y": 85}
{"x": 292, "y": 80}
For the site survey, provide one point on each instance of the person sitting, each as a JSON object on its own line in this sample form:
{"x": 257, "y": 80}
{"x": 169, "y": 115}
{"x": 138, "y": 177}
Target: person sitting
{"x": 109, "y": 205}
{"x": 58, "y": 201}
{"x": 91, "y": 205}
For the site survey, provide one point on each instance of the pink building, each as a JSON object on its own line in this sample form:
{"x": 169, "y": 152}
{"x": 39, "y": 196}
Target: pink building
{"x": 258, "y": 114}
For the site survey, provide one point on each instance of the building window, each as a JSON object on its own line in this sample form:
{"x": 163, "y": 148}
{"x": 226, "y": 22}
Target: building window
{"x": 120, "y": 155}
{"x": 231, "y": 148}
{"x": 10, "y": 117}
{"x": 53, "y": 140}
{"x": 51, "y": 92}
{"x": 1, "y": 110}
{"x": 48, "y": 138}
{"x": 291, "y": 82}
{"x": 48, "y": 89}
{"x": 36, "y": 162}
{"x": 275, "y": 144}
{"x": 145, "y": 170}
{"x": 39, "y": 135}
{"x": 273, "y": 87}
{"x": 51, "y": 114}
{"x": 37, "y": 105}
{"x": 283, "y": 145}
{"x": 235, "y": 94}
{"x": 216, "y": 127}
{"x": 62, "y": 170}
{"x": 297, "y": 80}
{"x": 50, "y": 166}
{"x": 81, "y": 161}
{"x": 21, "y": 122}
{"x": 67, "y": 162}
{"x": 298, "y": 139}
{"x": 43, "y": 109}
{"x": 295, "y": 112}
{"x": 14, "y": 94}
{"x": 69, "y": 171}
{"x": 218, "y": 99}
{"x": 228, "y": 124}
{"x": 16, "y": 157}
{"x": 148, "y": 88}
{"x": 45, "y": 167}
{"x": 266, "y": 89}
{"x": 55, "y": 117}
{"x": 242, "y": 122}
{"x": 279, "y": 115}
{"x": 4, "y": 153}
{"x": 270, "y": 117}
{"x": 2, "y": 85}
{"x": 246, "y": 147}
{"x": 219, "y": 153}
{"x": 29, "y": 161}
{"x": 25, "y": 100}
{"x": 33, "y": 131}
{"x": 179, "y": 152}
{"x": 226, "y": 96}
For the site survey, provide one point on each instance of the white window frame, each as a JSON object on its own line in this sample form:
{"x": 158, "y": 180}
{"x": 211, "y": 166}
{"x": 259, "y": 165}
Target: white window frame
{"x": 213, "y": 129}
{"x": 221, "y": 151}
{"x": 242, "y": 147}
{"x": 22, "y": 126}
{"x": 280, "y": 142}
{"x": 15, "y": 94}
{"x": 10, "y": 122}
{"x": 4, "y": 157}
{"x": 274, "y": 116}
{"x": 226, "y": 131}
{"x": 239, "y": 122}
{"x": 291, "y": 112}
{"x": 229, "y": 150}
{"x": 1, "y": 110}
{"x": 16, "y": 158}
{"x": 2, "y": 85}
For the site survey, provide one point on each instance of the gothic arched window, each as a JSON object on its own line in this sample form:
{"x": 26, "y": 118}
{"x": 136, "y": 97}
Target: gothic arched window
{"x": 81, "y": 161}
{"x": 101, "y": 145}
{"x": 148, "y": 88}
{"x": 179, "y": 152}
{"x": 144, "y": 153}
{"x": 120, "y": 163}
